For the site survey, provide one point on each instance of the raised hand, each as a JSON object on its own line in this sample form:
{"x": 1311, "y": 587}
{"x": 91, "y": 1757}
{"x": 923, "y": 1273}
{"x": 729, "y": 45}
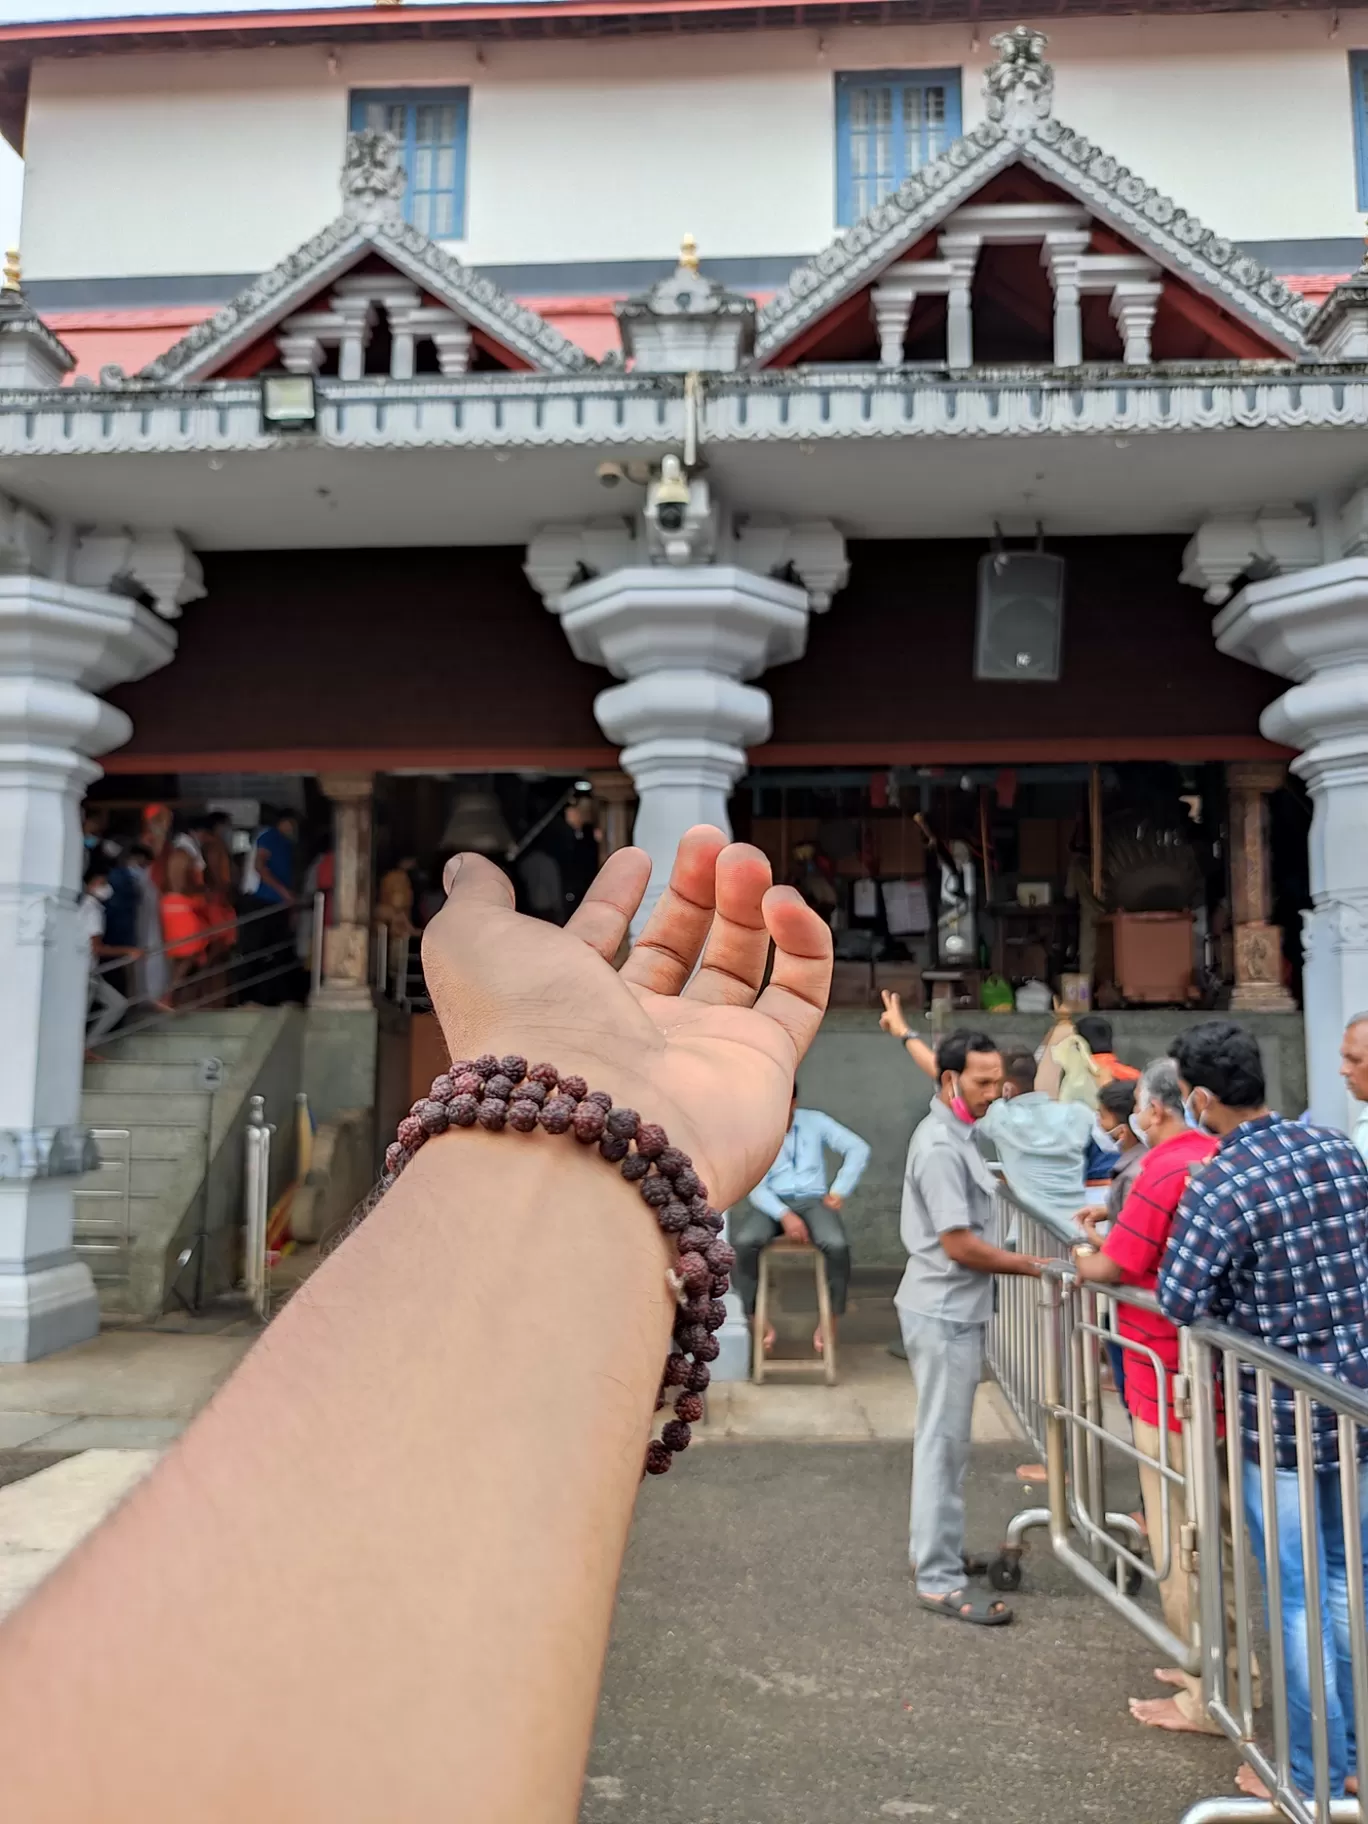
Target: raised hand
{"x": 708, "y": 1055}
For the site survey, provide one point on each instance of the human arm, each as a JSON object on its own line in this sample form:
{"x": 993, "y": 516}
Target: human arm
{"x": 443, "y": 1634}
{"x": 939, "y": 1179}
{"x": 854, "y": 1154}
{"x": 967, "y": 1249}
{"x": 1094, "y": 1264}
{"x": 892, "y": 1020}
{"x": 268, "y": 879}
{"x": 1207, "y": 1237}
{"x": 107, "y": 950}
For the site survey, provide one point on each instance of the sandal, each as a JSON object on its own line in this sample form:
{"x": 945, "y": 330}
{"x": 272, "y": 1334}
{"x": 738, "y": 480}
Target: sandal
{"x": 960, "y": 1605}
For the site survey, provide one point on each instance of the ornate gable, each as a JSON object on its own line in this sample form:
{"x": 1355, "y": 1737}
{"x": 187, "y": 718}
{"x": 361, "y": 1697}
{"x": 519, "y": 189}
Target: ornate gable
{"x": 332, "y": 292}
{"x": 931, "y": 215}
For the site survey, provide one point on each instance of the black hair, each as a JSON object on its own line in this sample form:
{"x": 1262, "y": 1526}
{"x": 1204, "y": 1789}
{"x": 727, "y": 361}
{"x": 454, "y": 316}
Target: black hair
{"x": 1220, "y": 1056}
{"x": 1019, "y": 1068}
{"x": 1118, "y": 1099}
{"x": 953, "y": 1051}
{"x": 1095, "y": 1032}
{"x": 98, "y": 870}
{"x": 138, "y": 851}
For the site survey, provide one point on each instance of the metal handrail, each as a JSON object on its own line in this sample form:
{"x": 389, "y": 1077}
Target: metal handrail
{"x": 265, "y": 965}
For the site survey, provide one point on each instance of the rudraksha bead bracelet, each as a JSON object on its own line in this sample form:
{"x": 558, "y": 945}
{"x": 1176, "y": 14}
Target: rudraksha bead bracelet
{"x": 495, "y": 1093}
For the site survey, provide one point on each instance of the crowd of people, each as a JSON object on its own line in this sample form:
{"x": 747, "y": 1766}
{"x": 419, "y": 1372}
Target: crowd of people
{"x": 174, "y": 919}
{"x": 1176, "y": 1179}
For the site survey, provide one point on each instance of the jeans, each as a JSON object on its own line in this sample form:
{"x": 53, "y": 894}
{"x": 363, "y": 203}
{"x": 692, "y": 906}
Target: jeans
{"x": 1331, "y": 1553}
{"x": 946, "y": 1359}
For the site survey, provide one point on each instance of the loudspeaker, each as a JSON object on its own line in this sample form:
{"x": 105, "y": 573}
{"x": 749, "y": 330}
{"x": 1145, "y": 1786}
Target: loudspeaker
{"x": 1020, "y": 629}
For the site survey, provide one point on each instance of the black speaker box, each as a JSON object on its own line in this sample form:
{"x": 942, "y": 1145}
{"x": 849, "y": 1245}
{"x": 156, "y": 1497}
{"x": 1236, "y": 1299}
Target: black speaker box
{"x": 1020, "y": 630}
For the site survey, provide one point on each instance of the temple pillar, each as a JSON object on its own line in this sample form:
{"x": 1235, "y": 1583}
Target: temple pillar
{"x": 346, "y": 938}
{"x": 59, "y": 645}
{"x": 684, "y": 640}
{"x": 1312, "y": 626}
{"x": 1259, "y": 984}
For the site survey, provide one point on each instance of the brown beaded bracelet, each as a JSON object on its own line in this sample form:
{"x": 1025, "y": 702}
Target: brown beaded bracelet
{"x": 495, "y": 1093}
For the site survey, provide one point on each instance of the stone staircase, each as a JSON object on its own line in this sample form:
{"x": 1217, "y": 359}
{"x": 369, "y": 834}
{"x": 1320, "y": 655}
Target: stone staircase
{"x": 162, "y": 1213}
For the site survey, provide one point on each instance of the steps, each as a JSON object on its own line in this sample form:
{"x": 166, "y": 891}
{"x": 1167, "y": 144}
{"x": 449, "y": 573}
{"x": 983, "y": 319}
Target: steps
{"x": 166, "y": 1107}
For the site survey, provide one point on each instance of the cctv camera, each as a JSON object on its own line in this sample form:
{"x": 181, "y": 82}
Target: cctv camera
{"x": 671, "y": 495}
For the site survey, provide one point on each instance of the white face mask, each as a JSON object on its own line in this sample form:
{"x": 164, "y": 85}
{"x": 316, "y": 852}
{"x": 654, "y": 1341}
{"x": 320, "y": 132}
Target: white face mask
{"x": 1190, "y": 1114}
{"x": 1104, "y": 1139}
{"x": 104, "y": 892}
{"x": 1138, "y": 1131}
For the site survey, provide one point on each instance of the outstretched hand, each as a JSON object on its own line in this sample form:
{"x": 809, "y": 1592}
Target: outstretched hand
{"x": 708, "y": 1055}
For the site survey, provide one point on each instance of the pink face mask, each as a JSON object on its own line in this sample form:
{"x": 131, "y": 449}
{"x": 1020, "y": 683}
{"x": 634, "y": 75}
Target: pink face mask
{"x": 959, "y": 1108}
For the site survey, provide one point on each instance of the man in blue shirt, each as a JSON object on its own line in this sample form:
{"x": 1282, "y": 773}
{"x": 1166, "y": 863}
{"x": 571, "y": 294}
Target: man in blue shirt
{"x": 792, "y": 1198}
{"x": 1271, "y": 1237}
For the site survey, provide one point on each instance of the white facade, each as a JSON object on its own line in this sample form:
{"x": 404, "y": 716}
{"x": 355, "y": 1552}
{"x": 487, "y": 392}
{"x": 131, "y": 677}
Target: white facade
{"x": 219, "y": 163}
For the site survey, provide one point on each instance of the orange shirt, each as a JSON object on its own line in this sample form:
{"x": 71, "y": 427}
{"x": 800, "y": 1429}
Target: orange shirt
{"x": 1111, "y": 1066}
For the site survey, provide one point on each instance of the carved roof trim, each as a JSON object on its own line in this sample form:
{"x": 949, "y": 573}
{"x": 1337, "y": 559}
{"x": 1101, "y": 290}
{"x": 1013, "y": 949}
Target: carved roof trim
{"x": 277, "y": 294}
{"x": 1111, "y": 192}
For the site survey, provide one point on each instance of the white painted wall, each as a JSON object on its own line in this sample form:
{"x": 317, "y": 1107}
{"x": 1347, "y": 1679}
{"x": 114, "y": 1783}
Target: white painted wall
{"x": 190, "y": 163}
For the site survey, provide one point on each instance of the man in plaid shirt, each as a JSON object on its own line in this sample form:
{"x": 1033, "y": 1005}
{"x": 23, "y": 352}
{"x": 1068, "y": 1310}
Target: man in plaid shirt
{"x": 1271, "y": 1237}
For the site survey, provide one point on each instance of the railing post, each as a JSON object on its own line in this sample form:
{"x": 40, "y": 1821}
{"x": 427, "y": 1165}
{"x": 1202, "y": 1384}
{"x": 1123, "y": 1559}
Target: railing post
{"x": 316, "y": 947}
{"x": 257, "y": 1199}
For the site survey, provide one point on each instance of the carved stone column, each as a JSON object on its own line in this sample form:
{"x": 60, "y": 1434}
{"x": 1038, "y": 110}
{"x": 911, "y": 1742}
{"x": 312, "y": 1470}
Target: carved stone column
{"x": 683, "y": 639}
{"x": 1258, "y": 943}
{"x": 1312, "y": 627}
{"x": 59, "y": 646}
{"x": 346, "y": 940}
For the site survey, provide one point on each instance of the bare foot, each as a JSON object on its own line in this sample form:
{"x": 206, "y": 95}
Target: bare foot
{"x": 769, "y": 1339}
{"x": 1250, "y": 1784}
{"x": 1032, "y": 1472}
{"x": 1171, "y": 1675}
{"x": 1164, "y": 1713}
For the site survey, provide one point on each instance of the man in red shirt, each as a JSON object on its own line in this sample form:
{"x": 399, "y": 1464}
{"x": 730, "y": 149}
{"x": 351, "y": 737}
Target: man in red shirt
{"x": 1131, "y": 1255}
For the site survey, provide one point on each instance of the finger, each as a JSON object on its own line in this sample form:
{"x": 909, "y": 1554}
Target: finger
{"x": 472, "y": 879}
{"x": 800, "y": 981}
{"x": 663, "y": 957}
{"x": 737, "y": 949}
{"x": 603, "y": 915}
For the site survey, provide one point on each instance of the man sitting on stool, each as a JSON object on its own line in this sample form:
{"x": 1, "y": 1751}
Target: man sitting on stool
{"x": 793, "y": 1197}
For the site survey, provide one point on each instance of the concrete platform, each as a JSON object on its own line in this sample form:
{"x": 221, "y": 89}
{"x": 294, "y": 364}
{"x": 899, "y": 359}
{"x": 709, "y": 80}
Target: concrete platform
{"x": 45, "y": 1516}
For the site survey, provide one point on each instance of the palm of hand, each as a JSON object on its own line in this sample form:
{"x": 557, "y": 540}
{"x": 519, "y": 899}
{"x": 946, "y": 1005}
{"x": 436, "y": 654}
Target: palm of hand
{"x": 709, "y": 1058}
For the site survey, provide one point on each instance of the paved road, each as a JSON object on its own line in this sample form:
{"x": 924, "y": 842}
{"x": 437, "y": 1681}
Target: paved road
{"x": 769, "y": 1666}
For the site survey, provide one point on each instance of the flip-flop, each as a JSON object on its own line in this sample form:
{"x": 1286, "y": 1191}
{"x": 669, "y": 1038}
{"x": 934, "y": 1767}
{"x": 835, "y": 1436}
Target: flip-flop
{"x": 975, "y": 1611}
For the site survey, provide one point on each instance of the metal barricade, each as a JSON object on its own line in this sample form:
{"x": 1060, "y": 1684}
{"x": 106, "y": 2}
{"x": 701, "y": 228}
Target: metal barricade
{"x": 1046, "y": 1346}
{"x": 1311, "y": 1519}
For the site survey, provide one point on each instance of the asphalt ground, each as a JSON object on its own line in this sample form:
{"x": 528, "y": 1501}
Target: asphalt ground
{"x": 769, "y": 1664}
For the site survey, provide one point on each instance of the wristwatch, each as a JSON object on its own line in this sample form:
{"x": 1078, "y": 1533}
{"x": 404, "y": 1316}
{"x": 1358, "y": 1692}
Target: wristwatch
{"x": 1082, "y": 1248}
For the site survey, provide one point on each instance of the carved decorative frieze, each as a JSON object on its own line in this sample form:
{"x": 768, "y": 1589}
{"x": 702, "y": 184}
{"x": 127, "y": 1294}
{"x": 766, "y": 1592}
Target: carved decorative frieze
{"x": 1018, "y": 91}
{"x": 368, "y": 224}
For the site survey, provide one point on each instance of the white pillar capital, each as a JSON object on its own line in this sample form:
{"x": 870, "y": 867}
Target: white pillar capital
{"x": 1311, "y": 626}
{"x": 685, "y": 641}
{"x": 59, "y": 644}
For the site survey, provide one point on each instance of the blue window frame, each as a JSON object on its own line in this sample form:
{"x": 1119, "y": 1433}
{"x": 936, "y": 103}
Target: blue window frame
{"x": 889, "y": 123}
{"x": 1358, "y": 81}
{"x": 431, "y": 127}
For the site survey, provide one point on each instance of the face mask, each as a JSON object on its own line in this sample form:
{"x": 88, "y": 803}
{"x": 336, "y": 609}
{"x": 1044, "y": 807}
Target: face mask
{"x": 959, "y": 1108}
{"x": 1104, "y": 1139}
{"x": 104, "y": 892}
{"x": 1137, "y": 1130}
{"x": 1191, "y": 1116}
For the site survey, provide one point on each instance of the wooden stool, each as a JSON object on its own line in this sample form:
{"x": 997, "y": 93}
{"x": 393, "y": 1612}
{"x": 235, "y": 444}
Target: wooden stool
{"x": 824, "y": 1364}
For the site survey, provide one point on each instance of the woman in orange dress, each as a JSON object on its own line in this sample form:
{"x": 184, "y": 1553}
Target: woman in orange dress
{"x": 185, "y": 913}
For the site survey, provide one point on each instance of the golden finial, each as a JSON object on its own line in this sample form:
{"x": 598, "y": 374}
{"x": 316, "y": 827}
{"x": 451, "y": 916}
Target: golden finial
{"x": 11, "y": 279}
{"x": 688, "y": 253}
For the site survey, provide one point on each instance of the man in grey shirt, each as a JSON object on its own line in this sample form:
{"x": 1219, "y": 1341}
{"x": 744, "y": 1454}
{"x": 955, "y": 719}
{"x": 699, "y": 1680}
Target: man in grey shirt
{"x": 944, "y": 1302}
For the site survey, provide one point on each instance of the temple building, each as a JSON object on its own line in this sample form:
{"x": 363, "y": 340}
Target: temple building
{"x": 959, "y": 517}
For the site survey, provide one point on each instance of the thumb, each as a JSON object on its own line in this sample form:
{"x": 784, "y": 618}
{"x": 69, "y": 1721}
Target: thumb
{"x": 472, "y": 879}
